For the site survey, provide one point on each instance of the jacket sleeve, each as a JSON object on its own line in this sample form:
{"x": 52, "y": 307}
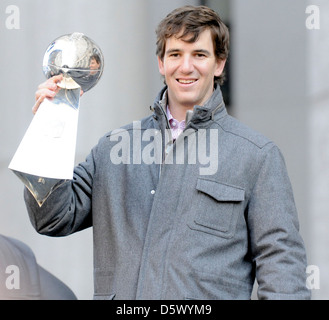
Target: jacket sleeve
{"x": 68, "y": 207}
{"x": 277, "y": 248}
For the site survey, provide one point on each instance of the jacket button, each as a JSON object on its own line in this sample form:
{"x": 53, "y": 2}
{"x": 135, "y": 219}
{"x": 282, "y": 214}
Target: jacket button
{"x": 153, "y": 192}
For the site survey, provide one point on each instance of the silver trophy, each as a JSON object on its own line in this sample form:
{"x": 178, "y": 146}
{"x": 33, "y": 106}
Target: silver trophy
{"x": 45, "y": 156}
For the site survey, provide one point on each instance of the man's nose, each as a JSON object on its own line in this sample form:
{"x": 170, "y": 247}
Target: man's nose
{"x": 187, "y": 65}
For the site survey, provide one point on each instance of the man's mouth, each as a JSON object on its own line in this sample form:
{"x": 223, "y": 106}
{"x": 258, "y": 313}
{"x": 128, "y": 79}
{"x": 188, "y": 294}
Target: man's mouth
{"x": 186, "y": 81}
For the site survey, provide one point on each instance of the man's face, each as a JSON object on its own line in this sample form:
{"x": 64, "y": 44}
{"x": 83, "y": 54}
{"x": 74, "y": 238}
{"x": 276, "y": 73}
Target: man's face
{"x": 94, "y": 65}
{"x": 189, "y": 70}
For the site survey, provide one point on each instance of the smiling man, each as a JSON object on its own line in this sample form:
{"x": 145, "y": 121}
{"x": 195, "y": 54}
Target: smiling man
{"x": 168, "y": 230}
{"x": 189, "y": 69}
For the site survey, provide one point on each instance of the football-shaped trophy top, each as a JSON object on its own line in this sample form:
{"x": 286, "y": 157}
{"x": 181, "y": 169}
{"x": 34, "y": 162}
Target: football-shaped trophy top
{"x": 77, "y": 57}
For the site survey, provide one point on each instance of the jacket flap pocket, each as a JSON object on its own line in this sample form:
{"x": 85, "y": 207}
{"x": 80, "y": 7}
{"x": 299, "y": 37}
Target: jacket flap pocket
{"x": 220, "y": 191}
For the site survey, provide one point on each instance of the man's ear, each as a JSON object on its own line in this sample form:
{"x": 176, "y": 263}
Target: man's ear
{"x": 161, "y": 66}
{"x": 220, "y": 67}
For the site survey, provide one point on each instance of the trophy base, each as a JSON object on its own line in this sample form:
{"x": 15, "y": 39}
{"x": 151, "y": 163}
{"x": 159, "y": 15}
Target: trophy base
{"x": 40, "y": 187}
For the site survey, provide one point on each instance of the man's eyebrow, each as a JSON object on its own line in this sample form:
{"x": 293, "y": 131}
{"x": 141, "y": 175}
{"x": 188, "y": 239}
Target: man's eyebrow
{"x": 206, "y": 52}
{"x": 172, "y": 50}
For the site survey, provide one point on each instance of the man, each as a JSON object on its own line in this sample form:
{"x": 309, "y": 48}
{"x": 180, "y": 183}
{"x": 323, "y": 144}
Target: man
{"x": 188, "y": 203}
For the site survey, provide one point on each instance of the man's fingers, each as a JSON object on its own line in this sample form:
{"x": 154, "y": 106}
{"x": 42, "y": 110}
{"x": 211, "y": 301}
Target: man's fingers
{"x": 51, "y": 83}
{"x": 37, "y": 104}
{"x": 45, "y": 93}
{"x": 47, "y": 89}
{"x": 56, "y": 79}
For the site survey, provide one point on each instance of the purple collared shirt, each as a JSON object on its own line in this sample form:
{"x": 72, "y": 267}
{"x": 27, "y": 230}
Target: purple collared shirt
{"x": 176, "y": 126}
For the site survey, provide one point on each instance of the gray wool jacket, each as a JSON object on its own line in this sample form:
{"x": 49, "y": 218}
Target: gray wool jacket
{"x": 198, "y": 218}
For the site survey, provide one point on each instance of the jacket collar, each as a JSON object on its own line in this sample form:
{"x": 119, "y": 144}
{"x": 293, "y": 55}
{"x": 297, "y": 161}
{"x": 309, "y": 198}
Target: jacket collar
{"x": 213, "y": 109}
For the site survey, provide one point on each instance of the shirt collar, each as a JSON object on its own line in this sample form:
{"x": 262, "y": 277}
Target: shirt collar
{"x": 171, "y": 119}
{"x": 169, "y": 115}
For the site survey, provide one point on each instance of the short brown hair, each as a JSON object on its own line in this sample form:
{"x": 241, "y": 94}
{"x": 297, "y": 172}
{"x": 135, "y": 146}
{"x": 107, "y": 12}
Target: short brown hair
{"x": 191, "y": 21}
